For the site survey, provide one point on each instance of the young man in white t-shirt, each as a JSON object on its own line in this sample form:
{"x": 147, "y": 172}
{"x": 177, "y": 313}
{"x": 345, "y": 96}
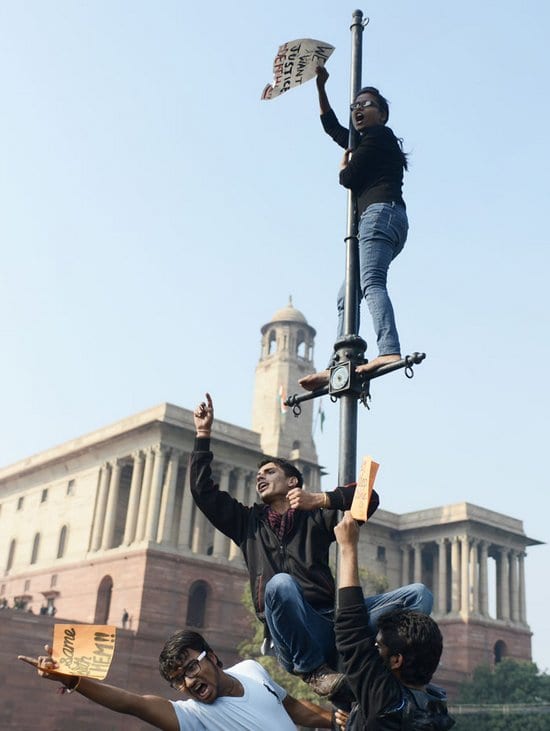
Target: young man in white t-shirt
{"x": 241, "y": 698}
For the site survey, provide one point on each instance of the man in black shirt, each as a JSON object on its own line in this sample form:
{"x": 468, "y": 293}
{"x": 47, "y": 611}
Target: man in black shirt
{"x": 389, "y": 671}
{"x": 285, "y": 542}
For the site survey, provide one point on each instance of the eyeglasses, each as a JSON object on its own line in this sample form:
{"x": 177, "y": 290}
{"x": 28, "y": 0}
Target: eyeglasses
{"x": 362, "y": 105}
{"x": 191, "y": 670}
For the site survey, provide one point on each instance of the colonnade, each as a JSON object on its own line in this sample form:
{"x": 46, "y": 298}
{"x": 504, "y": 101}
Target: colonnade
{"x": 460, "y": 575}
{"x": 160, "y": 508}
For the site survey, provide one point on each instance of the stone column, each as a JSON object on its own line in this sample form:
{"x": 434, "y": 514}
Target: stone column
{"x": 110, "y": 513}
{"x": 153, "y": 510}
{"x": 514, "y": 586}
{"x": 221, "y": 541}
{"x": 417, "y": 572}
{"x": 145, "y": 489}
{"x": 483, "y": 580}
{"x": 521, "y": 569}
{"x": 101, "y": 504}
{"x": 133, "y": 499}
{"x": 241, "y": 480}
{"x": 184, "y": 532}
{"x": 164, "y": 534}
{"x": 474, "y": 585}
{"x": 200, "y": 532}
{"x": 464, "y": 575}
{"x": 504, "y": 584}
{"x": 442, "y": 576}
{"x": 455, "y": 575}
{"x": 250, "y": 494}
{"x": 405, "y": 564}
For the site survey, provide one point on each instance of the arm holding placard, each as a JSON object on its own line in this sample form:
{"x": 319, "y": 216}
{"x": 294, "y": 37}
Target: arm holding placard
{"x": 361, "y": 508}
{"x": 153, "y": 709}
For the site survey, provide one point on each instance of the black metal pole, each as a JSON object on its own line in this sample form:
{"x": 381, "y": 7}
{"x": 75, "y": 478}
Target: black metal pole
{"x": 351, "y": 347}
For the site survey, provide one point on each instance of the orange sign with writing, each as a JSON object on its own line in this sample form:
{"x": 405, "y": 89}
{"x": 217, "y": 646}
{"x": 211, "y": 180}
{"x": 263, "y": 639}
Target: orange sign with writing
{"x": 363, "y": 491}
{"x": 84, "y": 649}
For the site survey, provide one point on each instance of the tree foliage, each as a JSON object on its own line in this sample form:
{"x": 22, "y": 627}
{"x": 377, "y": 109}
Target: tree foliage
{"x": 372, "y": 583}
{"x": 511, "y": 682}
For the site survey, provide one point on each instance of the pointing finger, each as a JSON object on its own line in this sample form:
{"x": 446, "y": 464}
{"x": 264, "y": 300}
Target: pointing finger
{"x": 29, "y": 660}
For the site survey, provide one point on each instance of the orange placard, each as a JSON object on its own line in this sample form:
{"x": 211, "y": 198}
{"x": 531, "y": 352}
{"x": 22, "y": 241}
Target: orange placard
{"x": 84, "y": 649}
{"x": 363, "y": 491}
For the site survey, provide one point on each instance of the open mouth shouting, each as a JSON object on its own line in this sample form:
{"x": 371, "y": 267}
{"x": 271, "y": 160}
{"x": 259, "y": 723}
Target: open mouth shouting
{"x": 201, "y": 691}
{"x": 261, "y": 485}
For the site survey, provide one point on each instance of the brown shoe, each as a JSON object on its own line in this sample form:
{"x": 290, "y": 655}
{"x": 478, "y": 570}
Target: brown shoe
{"x": 324, "y": 681}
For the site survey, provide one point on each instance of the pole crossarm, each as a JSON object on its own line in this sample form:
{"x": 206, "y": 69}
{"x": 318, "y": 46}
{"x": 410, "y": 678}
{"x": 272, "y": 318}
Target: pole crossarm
{"x": 358, "y": 382}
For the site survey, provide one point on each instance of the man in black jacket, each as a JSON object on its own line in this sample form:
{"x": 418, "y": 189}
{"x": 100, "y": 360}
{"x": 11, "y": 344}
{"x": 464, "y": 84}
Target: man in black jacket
{"x": 388, "y": 670}
{"x": 285, "y": 543}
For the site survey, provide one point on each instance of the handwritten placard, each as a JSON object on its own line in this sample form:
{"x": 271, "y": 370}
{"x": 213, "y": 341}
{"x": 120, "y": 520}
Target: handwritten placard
{"x": 295, "y": 63}
{"x": 84, "y": 649}
{"x": 363, "y": 491}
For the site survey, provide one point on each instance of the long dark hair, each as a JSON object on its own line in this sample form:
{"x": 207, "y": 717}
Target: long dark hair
{"x": 384, "y": 107}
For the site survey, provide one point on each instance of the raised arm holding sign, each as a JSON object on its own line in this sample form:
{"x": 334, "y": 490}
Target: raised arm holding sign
{"x": 243, "y": 698}
{"x": 295, "y": 63}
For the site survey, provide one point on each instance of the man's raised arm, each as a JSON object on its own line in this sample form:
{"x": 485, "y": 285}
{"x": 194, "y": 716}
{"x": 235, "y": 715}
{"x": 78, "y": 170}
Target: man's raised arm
{"x": 203, "y": 417}
{"x": 153, "y": 709}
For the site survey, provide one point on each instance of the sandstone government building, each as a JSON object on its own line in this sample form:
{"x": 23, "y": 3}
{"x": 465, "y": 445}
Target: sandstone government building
{"x": 105, "y": 526}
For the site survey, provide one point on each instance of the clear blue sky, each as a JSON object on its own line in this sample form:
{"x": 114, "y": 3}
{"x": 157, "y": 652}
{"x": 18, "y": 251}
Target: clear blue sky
{"x": 155, "y": 214}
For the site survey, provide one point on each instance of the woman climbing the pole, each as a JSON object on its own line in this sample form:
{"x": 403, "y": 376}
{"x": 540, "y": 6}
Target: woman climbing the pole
{"x": 374, "y": 172}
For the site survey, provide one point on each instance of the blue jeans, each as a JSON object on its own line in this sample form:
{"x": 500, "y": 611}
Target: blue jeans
{"x": 303, "y": 637}
{"x": 382, "y": 233}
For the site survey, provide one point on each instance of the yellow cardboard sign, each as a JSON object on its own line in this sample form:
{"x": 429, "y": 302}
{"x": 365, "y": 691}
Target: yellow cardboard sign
{"x": 363, "y": 491}
{"x": 84, "y": 649}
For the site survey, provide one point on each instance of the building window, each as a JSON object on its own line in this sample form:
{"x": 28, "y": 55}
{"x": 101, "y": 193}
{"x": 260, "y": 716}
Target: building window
{"x": 70, "y": 487}
{"x": 21, "y": 602}
{"x": 300, "y": 344}
{"x": 35, "y": 548}
{"x": 272, "y": 343}
{"x": 20, "y": 502}
{"x": 103, "y": 601}
{"x": 381, "y": 553}
{"x": 44, "y": 495}
{"x": 27, "y": 585}
{"x": 500, "y": 651}
{"x": 62, "y": 544}
{"x": 196, "y": 607}
{"x": 53, "y": 581}
{"x": 11, "y": 555}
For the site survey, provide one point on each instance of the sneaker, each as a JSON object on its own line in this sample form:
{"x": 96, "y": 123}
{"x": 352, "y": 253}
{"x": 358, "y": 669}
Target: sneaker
{"x": 324, "y": 681}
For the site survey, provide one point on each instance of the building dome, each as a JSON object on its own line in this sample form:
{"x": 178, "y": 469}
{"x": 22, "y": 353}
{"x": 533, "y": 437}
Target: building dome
{"x": 289, "y": 314}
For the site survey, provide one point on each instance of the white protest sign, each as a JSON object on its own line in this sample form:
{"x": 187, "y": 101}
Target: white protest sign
{"x": 295, "y": 63}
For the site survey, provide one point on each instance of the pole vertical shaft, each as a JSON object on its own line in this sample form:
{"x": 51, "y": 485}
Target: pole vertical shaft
{"x": 348, "y": 402}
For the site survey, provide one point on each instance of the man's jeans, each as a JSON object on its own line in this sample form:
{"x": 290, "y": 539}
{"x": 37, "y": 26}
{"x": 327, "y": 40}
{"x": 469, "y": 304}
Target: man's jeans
{"x": 304, "y": 637}
{"x": 382, "y": 230}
